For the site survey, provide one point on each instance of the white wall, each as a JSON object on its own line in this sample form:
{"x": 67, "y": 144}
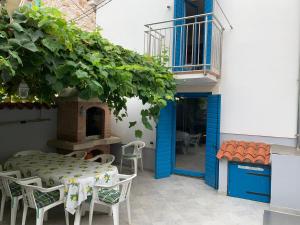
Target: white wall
{"x": 285, "y": 182}
{"x": 122, "y": 22}
{"x": 122, "y": 130}
{"x": 260, "y": 68}
{"x": 16, "y": 137}
{"x": 260, "y": 59}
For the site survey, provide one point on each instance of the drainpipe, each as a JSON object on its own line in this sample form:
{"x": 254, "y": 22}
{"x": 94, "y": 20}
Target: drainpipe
{"x": 298, "y": 117}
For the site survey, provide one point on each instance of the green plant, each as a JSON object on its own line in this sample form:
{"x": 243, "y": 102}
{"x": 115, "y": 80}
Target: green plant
{"x": 49, "y": 54}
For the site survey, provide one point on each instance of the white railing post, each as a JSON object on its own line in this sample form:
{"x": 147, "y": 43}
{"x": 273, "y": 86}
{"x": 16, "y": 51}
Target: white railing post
{"x": 149, "y": 41}
{"x": 205, "y": 43}
{"x": 192, "y": 43}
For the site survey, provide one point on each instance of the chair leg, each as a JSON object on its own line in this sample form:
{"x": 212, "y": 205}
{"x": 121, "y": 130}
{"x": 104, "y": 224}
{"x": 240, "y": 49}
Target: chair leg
{"x": 142, "y": 165}
{"x": 14, "y": 210}
{"x": 128, "y": 210}
{"x": 135, "y": 163}
{"x": 40, "y": 217}
{"x": 110, "y": 213}
{"x": 67, "y": 217}
{"x": 121, "y": 166}
{"x": 77, "y": 216}
{"x": 91, "y": 212}
{"x": 83, "y": 211}
{"x": 115, "y": 209}
{"x": 2, "y": 206}
{"x": 46, "y": 216}
{"x": 25, "y": 209}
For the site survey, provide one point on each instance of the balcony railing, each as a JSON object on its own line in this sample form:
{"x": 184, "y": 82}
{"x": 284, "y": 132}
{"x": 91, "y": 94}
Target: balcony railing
{"x": 188, "y": 43}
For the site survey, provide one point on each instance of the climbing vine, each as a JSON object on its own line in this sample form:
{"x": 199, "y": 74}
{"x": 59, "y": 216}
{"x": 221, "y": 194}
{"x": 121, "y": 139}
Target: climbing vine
{"x": 49, "y": 54}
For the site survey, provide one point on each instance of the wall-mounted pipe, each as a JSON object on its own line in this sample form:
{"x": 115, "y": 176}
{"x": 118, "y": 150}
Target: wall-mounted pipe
{"x": 298, "y": 117}
{"x": 23, "y": 121}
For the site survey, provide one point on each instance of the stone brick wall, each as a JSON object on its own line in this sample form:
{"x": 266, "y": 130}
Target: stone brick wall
{"x": 80, "y": 11}
{"x": 74, "y": 9}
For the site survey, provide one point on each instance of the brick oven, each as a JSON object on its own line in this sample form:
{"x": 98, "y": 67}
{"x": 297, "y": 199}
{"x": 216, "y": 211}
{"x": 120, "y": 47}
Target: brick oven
{"x": 83, "y": 125}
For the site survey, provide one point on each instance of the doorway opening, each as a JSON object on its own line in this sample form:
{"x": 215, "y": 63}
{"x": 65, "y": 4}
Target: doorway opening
{"x": 195, "y": 37}
{"x": 190, "y": 146}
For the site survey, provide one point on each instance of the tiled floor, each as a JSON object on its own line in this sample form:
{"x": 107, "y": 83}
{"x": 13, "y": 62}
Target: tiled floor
{"x": 193, "y": 160}
{"x": 176, "y": 200}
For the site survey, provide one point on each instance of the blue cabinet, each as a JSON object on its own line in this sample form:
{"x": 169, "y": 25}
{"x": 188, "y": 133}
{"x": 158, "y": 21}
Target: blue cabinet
{"x": 249, "y": 181}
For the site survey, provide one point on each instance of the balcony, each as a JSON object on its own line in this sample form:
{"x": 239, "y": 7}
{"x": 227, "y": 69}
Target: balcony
{"x": 190, "y": 46}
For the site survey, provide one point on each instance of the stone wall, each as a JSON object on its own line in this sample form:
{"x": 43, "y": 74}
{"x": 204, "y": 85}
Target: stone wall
{"x": 75, "y": 9}
{"x": 79, "y": 10}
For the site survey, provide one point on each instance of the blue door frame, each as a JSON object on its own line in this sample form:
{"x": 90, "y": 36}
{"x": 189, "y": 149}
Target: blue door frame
{"x": 166, "y": 140}
{"x": 174, "y": 169}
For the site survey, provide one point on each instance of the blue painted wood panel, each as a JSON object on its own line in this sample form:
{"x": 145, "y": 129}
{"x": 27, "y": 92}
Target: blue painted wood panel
{"x": 208, "y": 8}
{"x": 164, "y": 142}
{"x": 249, "y": 181}
{"x": 179, "y": 34}
{"x": 212, "y": 140}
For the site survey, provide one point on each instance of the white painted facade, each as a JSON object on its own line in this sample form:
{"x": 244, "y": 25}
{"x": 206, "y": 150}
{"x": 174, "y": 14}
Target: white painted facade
{"x": 260, "y": 63}
{"x": 16, "y": 136}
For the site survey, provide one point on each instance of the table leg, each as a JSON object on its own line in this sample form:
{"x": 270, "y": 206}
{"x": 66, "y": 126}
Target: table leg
{"x": 77, "y": 216}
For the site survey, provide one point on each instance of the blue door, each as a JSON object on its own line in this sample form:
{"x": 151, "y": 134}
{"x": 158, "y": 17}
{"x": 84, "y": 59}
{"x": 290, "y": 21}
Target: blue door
{"x": 249, "y": 181}
{"x": 212, "y": 140}
{"x": 164, "y": 142}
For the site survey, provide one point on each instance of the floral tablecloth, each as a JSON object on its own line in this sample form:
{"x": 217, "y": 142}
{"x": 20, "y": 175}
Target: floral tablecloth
{"x": 78, "y": 176}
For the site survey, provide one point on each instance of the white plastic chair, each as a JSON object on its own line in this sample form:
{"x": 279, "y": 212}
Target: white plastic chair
{"x": 27, "y": 152}
{"x": 119, "y": 190}
{"x": 78, "y": 154}
{"x": 133, "y": 155}
{"x": 34, "y": 196}
{"x": 11, "y": 190}
{"x": 106, "y": 159}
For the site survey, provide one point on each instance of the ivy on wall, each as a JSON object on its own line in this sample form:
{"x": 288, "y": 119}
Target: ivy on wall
{"x": 49, "y": 54}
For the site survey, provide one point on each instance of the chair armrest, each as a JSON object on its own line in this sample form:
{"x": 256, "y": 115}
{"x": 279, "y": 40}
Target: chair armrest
{"x": 30, "y": 181}
{"x": 70, "y": 154}
{"x": 11, "y": 173}
{"x": 45, "y": 190}
{"x": 94, "y": 158}
{"x": 122, "y": 176}
{"x": 59, "y": 188}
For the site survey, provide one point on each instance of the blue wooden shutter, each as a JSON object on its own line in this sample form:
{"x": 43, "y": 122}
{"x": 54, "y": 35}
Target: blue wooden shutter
{"x": 164, "y": 142}
{"x": 212, "y": 140}
{"x": 179, "y": 12}
{"x": 208, "y": 8}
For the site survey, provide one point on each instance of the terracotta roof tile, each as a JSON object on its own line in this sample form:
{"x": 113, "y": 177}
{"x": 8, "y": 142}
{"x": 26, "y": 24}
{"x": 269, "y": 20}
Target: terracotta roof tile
{"x": 241, "y": 151}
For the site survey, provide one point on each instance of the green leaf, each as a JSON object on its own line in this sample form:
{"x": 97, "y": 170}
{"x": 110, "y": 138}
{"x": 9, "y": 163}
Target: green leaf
{"x": 65, "y": 69}
{"x": 15, "y": 56}
{"x": 138, "y": 133}
{"x": 16, "y": 27}
{"x": 58, "y": 86}
{"x": 14, "y": 41}
{"x": 51, "y": 44}
{"x": 30, "y": 46}
{"x": 146, "y": 123}
{"x": 81, "y": 74}
{"x": 36, "y": 35}
{"x": 132, "y": 124}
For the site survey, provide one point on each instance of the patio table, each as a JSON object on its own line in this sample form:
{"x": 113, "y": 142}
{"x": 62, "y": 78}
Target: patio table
{"x": 78, "y": 176}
